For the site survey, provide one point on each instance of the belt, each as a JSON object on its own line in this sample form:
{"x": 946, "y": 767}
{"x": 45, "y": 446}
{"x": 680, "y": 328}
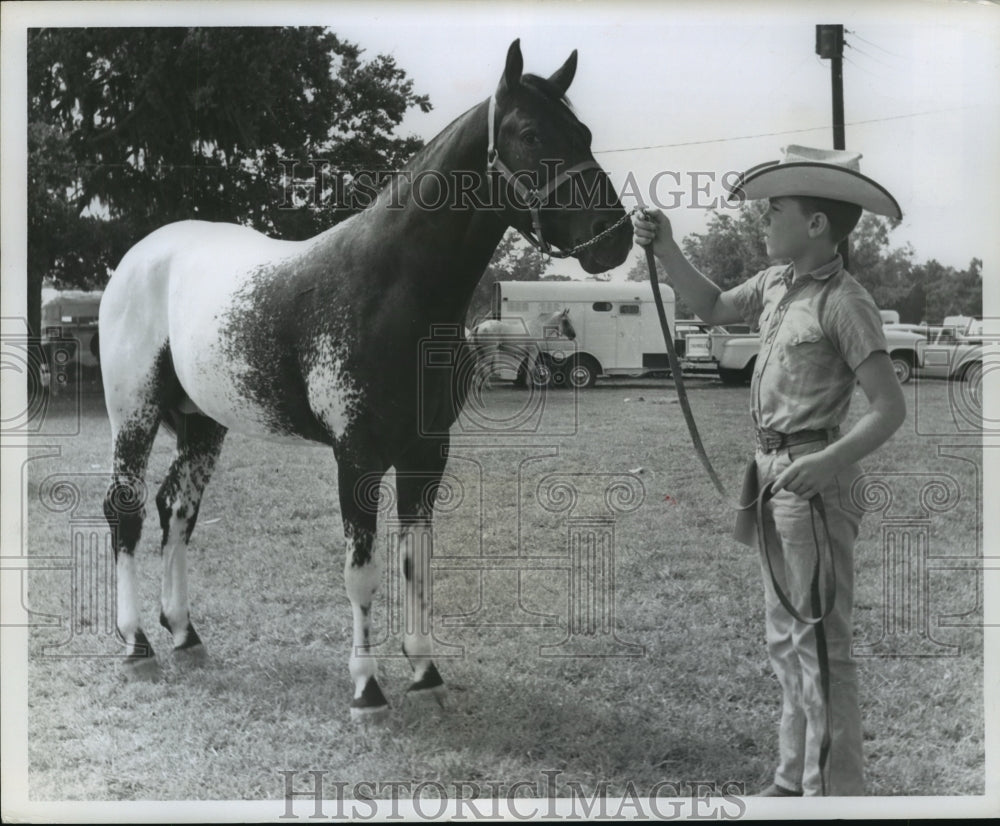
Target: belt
{"x": 771, "y": 440}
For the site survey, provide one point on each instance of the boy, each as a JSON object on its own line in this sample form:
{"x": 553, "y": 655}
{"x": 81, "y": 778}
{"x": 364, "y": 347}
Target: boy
{"x": 820, "y": 334}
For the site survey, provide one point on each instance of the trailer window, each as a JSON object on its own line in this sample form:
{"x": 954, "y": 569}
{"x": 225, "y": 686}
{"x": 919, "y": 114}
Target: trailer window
{"x": 602, "y": 306}
{"x": 629, "y": 309}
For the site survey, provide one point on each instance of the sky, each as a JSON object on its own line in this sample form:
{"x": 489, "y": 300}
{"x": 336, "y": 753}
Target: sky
{"x": 680, "y": 93}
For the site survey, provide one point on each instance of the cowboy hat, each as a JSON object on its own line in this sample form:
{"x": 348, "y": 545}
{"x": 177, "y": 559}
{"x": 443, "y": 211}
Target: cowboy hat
{"x": 818, "y": 173}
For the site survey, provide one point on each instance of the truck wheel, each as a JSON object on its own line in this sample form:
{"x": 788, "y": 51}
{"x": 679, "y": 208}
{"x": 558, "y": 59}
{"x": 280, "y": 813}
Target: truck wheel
{"x": 902, "y": 368}
{"x": 737, "y": 378}
{"x": 731, "y": 378}
{"x": 972, "y": 372}
{"x": 582, "y": 373}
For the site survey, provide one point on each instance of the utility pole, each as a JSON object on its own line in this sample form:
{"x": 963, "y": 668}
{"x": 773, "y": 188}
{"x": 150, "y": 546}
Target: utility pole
{"x": 830, "y": 46}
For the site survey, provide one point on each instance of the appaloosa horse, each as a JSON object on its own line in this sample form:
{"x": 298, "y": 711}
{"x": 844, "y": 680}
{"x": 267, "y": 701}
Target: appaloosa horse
{"x": 214, "y": 327}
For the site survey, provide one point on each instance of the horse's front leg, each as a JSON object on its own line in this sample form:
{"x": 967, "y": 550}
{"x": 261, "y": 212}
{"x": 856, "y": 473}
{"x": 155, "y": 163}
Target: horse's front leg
{"x": 358, "y": 491}
{"x": 417, "y": 482}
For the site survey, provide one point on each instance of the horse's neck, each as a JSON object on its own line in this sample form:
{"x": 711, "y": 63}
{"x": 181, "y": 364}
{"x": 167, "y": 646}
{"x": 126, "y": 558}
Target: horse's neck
{"x": 446, "y": 249}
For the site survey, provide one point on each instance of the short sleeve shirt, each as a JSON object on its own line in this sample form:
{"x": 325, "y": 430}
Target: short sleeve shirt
{"x": 814, "y": 333}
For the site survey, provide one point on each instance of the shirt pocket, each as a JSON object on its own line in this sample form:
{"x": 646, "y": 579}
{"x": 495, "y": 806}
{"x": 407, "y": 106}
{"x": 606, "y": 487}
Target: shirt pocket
{"x": 804, "y": 343}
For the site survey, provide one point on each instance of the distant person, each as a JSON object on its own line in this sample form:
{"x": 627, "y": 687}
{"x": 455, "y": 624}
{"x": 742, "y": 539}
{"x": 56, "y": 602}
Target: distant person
{"x": 820, "y": 333}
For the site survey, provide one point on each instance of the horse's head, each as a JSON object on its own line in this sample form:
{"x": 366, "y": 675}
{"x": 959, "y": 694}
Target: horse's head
{"x": 558, "y": 325}
{"x": 542, "y": 152}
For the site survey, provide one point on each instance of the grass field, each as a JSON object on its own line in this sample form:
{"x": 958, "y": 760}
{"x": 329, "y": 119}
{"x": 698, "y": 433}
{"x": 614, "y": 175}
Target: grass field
{"x": 694, "y": 700}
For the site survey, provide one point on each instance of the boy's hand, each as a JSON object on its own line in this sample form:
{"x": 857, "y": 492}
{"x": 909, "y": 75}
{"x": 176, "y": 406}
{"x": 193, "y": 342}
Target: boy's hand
{"x": 807, "y": 475}
{"x": 651, "y": 226}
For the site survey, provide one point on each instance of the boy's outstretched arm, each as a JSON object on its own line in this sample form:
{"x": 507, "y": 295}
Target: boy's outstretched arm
{"x": 886, "y": 412}
{"x": 700, "y": 293}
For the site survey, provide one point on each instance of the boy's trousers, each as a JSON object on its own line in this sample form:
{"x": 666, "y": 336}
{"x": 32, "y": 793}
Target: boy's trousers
{"x": 792, "y": 645}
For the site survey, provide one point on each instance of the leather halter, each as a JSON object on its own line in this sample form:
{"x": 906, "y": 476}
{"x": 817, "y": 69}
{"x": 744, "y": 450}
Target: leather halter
{"x": 533, "y": 198}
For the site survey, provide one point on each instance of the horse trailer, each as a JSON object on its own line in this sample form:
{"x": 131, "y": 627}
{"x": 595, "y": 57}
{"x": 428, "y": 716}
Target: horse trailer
{"x": 617, "y": 326}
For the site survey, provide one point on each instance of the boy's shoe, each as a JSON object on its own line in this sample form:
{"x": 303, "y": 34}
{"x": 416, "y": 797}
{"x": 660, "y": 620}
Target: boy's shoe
{"x": 774, "y": 790}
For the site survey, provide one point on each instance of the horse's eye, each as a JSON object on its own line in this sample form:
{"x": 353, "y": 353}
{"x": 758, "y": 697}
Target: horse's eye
{"x": 530, "y": 137}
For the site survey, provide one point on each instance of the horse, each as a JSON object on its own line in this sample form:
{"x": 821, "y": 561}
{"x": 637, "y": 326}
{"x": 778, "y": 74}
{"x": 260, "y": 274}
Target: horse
{"x": 208, "y": 328}
{"x": 495, "y": 338}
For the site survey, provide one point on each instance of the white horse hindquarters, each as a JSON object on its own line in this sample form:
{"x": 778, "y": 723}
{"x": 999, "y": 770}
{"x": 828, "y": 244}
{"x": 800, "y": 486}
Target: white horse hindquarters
{"x": 133, "y": 326}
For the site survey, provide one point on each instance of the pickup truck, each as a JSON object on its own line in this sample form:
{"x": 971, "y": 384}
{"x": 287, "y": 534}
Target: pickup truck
{"x": 952, "y": 351}
{"x": 735, "y": 354}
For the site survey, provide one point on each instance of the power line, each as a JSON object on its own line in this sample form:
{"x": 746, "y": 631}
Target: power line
{"x": 869, "y": 56}
{"x": 870, "y": 43}
{"x": 783, "y": 132}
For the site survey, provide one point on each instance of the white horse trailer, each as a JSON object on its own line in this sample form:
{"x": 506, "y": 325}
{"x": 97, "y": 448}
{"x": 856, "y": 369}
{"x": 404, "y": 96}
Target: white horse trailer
{"x": 617, "y": 328}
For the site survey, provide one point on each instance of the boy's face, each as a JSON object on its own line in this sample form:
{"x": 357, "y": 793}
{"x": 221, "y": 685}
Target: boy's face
{"x": 786, "y": 228}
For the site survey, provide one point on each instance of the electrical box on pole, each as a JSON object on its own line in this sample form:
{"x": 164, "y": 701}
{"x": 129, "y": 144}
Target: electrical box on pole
{"x": 829, "y": 41}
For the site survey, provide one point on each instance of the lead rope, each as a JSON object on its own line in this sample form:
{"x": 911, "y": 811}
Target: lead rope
{"x": 675, "y": 370}
{"x": 816, "y": 507}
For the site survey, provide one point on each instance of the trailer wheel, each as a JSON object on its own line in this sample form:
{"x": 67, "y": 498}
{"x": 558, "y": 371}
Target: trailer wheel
{"x": 559, "y": 366}
{"x": 582, "y": 372}
{"x": 541, "y": 372}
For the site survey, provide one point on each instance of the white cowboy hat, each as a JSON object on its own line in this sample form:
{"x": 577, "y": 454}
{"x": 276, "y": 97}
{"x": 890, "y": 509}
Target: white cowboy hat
{"x": 817, "y": 173}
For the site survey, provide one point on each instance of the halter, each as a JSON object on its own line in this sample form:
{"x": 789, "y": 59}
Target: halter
{"x": 535, "y": 199}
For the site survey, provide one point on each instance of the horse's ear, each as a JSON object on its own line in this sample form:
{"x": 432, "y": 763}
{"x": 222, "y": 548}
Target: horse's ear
{"x": 515, "y": 66}
{"x": 563, "y": 76}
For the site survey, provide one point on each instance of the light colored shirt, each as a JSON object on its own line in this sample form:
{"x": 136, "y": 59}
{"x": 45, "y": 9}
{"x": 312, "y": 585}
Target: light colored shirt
{"x": 814, "y": 333}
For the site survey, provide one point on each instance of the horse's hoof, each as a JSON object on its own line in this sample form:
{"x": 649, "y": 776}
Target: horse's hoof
{"x": 192, "y": 656}
{"x": 142, "y": 669}
{"x": 438, "y": 695}
{"x": 429, "y": 686}
{"x": 372, "y": 715}
{"x": 371, "y": 706}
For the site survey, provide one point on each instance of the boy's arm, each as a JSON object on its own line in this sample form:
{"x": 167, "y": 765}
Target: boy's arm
{"x": 701, "y": 294}
{"x": 886, "y": 412}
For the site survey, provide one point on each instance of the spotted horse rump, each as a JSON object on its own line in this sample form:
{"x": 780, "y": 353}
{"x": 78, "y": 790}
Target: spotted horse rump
{"x": 207, "y": 328}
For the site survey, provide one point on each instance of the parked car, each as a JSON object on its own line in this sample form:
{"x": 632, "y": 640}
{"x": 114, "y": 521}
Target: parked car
{"x": 953, "y": 350}
{"x": 734, "y": 354}
{"x": 701, "y": 349}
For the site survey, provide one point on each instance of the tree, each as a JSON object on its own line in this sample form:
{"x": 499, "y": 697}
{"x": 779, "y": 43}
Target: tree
{"x": 886, "y": 273}
{"x": 132, "y": 128}
{"x": 513, "y": 260}
{"x": 732, "y": 249}
{"x": 950, "y": 292}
